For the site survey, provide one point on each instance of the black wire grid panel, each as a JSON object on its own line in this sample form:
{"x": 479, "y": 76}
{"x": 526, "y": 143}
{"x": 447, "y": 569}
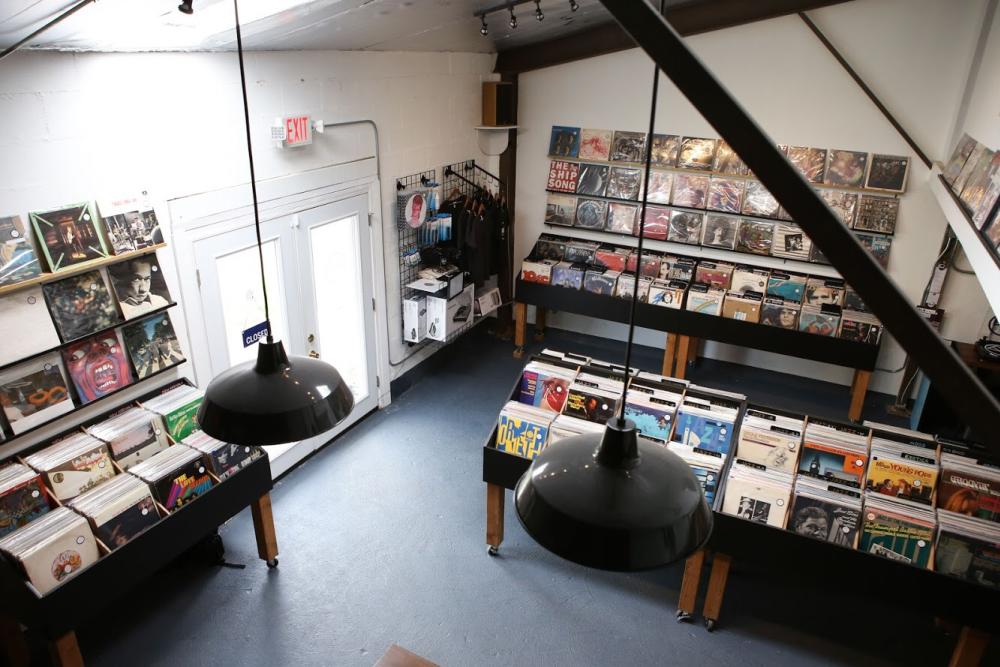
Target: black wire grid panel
{"x": 409, "y": 245}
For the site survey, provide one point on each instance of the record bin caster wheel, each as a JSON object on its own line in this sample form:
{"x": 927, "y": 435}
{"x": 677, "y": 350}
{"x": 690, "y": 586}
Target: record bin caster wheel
{"x": 710, "y": 624}
{"x": 492, "y": 550}
{"x": 683, "y": 616}
{"x": 539, "y": 336}
{"x": 518, "y": 352}
{"x": 271, "y": 564}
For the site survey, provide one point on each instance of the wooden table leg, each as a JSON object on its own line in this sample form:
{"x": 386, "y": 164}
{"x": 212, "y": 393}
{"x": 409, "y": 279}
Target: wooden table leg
{"x": 683, "y": 347}
{"x": 669, "y": 352}
{"x": 693, "y": 350}
{"x": 65, "y": 652}
{"x": 494, "y": 517}
{"x": 520, "y": 324}
{"x": 539, "y": 323}
{"x": 263, "y": 528}
{"x": 689, "y": 585}
{"x": 858, "y": 389}
{"x": 970, "y": 648}
{"x": 12, "y": 643}
{"x": 716, "y": 589}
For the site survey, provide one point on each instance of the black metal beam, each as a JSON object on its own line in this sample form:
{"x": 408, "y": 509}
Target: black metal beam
{"x": 689, "y": 18}
{"x": 664, "y": 45}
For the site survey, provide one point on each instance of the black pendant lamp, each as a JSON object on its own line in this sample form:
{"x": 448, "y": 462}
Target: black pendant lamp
{"x": 613, "y": 501}
{"x": 275, "y": 399}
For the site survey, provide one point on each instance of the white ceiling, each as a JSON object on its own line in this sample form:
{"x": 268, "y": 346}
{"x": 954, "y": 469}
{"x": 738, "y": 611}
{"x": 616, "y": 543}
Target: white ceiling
{"x": 381, "y": 25}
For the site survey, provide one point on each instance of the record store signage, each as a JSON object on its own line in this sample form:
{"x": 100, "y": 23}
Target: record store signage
{"x": 256, "y": 333}
{"x": 298, "y": 131}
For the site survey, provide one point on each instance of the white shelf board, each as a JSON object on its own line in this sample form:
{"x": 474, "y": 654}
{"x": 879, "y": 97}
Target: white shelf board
{"x": 496, "y": 128}
{"x": 981, "y": 258}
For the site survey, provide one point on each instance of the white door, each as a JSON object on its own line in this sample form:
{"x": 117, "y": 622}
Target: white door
{"x": 318, "y": 266}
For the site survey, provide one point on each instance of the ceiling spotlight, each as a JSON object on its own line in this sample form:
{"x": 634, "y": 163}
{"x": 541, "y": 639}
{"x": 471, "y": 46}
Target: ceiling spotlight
{"x": 573, "y": 5}
{"x": 484, "y": 30}
{"x": 185, "y": 7}
{"x": 513, "y": 19}
{"x": 538, "y": 11}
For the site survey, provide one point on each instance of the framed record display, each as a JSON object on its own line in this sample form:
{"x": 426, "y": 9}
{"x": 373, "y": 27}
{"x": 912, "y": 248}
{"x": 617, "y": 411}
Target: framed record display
{"x": 888, "y": 172}
{"x": 590, "y": 214}
{"x": 139, "y": 285}
{"x": 18, "y": 261}
{"x": 81, "y": 305}
{"x": 34, "y": 393}
{"x": 690, "y": 190}
{"x": 559, "y": 210}
{"x": 660, "y": 184}
{"x": 624, "y": 183}
{"x": 622, "y": 218}
{"x": 98, "y": 366}
{"x": 592, "y": 180}
{"x": 877, "y": 214}
{"x": 811, "y": 162}
{"x": 846, "y": 168}
{"x": 727, "y": 162}
{"x": 759, "y": 201}
{"x": 696, "y": 153}
{"x": 69, "y": 235}
{"x": 564, "y": 141}
{"x": 844, "y": 204}
{"x": 726, "y": 194}
{"x": 664, "y": 150}
{"x": 152, "y": 345}
{"x": 628, "y": 147}
{"x": 563, "y": 176}
{"x": 685, "y": 227}
{"x": 755, "y": 237}
{"x": 595, "y": 144}
{"x": 720, "y": 231}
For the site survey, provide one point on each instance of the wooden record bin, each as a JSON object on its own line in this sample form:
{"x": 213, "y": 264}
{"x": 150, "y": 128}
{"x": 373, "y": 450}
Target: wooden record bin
{"x": 76, "y": 601}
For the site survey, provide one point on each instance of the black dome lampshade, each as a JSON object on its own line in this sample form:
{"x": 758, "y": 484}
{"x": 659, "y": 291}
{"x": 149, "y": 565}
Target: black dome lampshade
{"x": 274, "y": 400}
{"x": 613, "y": 501}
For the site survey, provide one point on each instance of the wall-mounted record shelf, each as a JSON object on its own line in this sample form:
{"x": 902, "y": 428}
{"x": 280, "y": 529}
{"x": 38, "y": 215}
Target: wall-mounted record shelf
{"x": 982, "y": 257}
{"x": 79, "y": 268}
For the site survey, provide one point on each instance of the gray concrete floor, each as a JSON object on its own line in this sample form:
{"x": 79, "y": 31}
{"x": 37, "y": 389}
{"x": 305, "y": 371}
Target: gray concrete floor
{"x": 382, "y": 541}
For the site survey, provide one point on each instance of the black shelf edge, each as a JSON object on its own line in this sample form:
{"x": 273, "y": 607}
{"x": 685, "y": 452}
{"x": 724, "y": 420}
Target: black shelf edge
{"x": 980, "y": 234}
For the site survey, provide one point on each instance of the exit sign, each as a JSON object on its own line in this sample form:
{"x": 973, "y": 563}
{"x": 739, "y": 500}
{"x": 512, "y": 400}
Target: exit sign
{"x": 298, "y": 130}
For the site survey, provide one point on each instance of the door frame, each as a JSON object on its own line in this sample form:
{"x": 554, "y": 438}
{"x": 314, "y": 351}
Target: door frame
{"x": 200, "y": 216}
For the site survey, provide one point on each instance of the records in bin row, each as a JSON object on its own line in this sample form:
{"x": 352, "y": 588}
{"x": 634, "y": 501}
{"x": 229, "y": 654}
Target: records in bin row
{"x": 834, "y": 167}
{"x": 817, "y": 305}
{"x": 561, "y": 396}
{"x": 120, "y": 475}
{"x": 727, "y": 230}
{"x": 72, "y": 234}
{"x": 973, "y": 173}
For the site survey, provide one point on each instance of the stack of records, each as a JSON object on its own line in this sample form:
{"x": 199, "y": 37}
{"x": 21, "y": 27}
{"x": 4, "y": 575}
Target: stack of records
{"x": 706, "y": 467}
{"x": 678, "y": 268}
{"x": 537, "y": 270}
{"x": 749, "y": 279}
{"x": 576, "y": 360}
{"x": 714, "y": 274}
{"x": 778, "y": 312}
{"x": 224, "y": 459}
{"x": 897, "y": 529}
{"x": 564, "y": 426}
{"x": 523, "y": 430}
{"x": 742, "y": 306}
{"x": 706, "y": 423}
{"x": 969, "y": 483}
{"x": 826, "y": 511}
{"x": 133, "y": 436}
{"x": 667, "y": 293}
{"x": 770, "y": 439}
{"x": 820, "y": 320}
{"x": 968, "y": 548}
{"x": 757, "y": 494}
{"x": 860, "y": 327}
{"x": 178, "y": 410}
{"x": 834, "y": 452}
{"x": 601, "y": 281}
{"x": 580, "y": 251}
{"x": 177, "y": 475}
{"x": 594, "y": 397}
{"x": 568, "y": 274}
{"x": 118, "y": 510}
{"x": 73, "y": 465}
{"x": 652, "y": 406}
{"x": 788, "y": 286}
{"x": 52, "y": 549}
{"x": 704, "y": 299}
{"x": 545, "y": 385}
{"x": 902, "y": 464}
{"x": 22, "y": 497}
{"x": 626, "y": 284}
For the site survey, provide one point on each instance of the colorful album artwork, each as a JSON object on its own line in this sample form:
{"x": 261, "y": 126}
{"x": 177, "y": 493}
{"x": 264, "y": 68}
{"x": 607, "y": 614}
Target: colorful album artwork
{"x": 696, "y": 153}
{"x": 591, "y": 213}
{"x": 755, "y": 237}
{"x": 34, "y": 393}
{"x": 843, "y": 204}
{"x": 628, "y": 147}
{"x": 152, "y": 345}
{"x": 69, "y": 235}
{"x": 811, "y": 162}
{"x": 702, "y": 432}
{"x": 660, "y": 184}
{"x": 129, "y": 222}
{"x": 118, "y": 530}
{"x": 846, "y": 168}
{"x": 690, "y": 190}
{"x": 664, "y": 150}
{"x": 98, "y": 366}
{"x": 720, "y": 231}
{"x": 559, "y": 210}
{"x": 652, "y": 421}
{"x": 595, "y": 144}
{"x": 888, "y": 172}
{"x": 726, "y": 195}
{"x": 564, "y": 141}
{"x": 18, "y": 261}
{"x": 81, "y": 305}
{"x": 727, "y": 162}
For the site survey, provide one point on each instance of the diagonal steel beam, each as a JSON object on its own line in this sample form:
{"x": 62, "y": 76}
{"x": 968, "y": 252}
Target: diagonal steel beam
{"x": 952, "y": 377}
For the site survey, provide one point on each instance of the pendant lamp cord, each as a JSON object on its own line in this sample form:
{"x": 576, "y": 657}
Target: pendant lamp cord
{"x": 253, "y": 176}
{"x": 642, "y": 234}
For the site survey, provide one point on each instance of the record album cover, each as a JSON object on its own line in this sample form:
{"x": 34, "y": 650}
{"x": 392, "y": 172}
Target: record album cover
{"x": 98, "y": 366}
{"x": 660, "y": 185}
{"x": 664, "y": 150}
{"x": 878, "y": 245}
{"x": 25, "y": 325}
{"x": 34, "y": 393}
{"x": 811, "y": 162}
{"x": 129, "y": 222}
{"x": 69, "y": 235}
{"x": 846, "y": 168}
{"x": 560, "y": 210}
{"x": 119, "y": 529}
{"x": 696, "y": 153}
{"x": 727, "y": 162}
{"x": 18, "y": 261}
{"x": 139, "y": 285}
{"x": 685, "y": 227}
{"x": 787, "y": 286}
{"x": 564, "y": 141}
{"x": 755, "y": 237}
{"x": 962, "y": 151}
{"x": 860, "y": 331}
{"x": 726, "y": 194}
{"x": 790, "y": 242}
{"x": 776, "y": 312}
{"x": 974, "y": 560}
{"x": 759, "y": 201}
{"x": 591, "y": 405}
{"x": 628, "y": 146}
{"x": 703, "y": 432}
{"x": 622, "y": 218}
{"x": 843, "y": 204}
{"x": 81, "y": 305}
{"x": 652, "y": 421}
{"x": 624, "y": 183}
{"x": 22, "y": 503}
{"x": 592, "y": 180}
{"x": 720, "y": 231}
{"x": 690, "y": 190}
{"x": 591, "y": 214}
{"x": 894, "y": 536}
{"x": 821, "y": 292}
{"x": 832, "y": 463}
{"x": 598, "y": 281}
{"x": 152, "y": 345}
{"x": 656, "y": 224}
{"x": 595, "y": 144}
{"x": 888, "y": 172}
{"x": 563, "y": 176}
{"x": 182, "y": 486}
{"x": 818, "y": 322}
{"x": 824, "y": 520}
{"x": 877, "y": 214}
{"x": 547, "y": 247}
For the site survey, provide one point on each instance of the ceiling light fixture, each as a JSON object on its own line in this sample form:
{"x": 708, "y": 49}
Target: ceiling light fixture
{"x": 484, "y": 30}
{"x": 276, "y": 399}
{"x": 615, "y": 501}
{"x": 538, "y": 11}
{"x": 573, "y": 6}
{"x": 185, "y": 7}
{"x": 513, "y": 19}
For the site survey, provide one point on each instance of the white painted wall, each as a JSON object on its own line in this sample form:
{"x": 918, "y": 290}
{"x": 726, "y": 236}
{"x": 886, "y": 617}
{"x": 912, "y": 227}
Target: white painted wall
{"x": 77, "y": 125}
{"x": 915, "y": 55}
{"x": 982, "y": 118}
